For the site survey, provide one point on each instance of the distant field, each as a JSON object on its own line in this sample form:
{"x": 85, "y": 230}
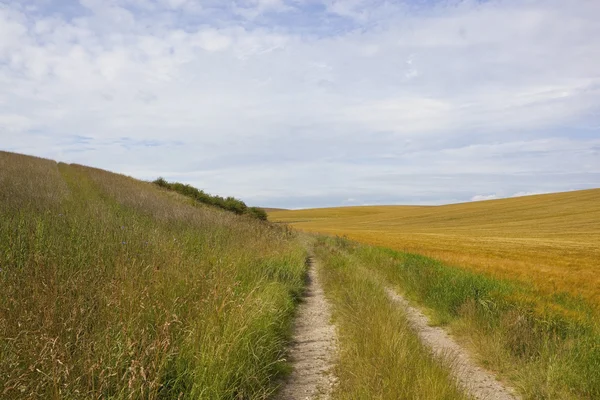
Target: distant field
{"x": 267, "y": 209}
{"x": 550, "y": 241}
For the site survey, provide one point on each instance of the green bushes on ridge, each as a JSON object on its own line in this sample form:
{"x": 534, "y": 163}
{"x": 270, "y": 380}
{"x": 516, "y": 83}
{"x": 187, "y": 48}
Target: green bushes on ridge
{"x": 229, "y": 203}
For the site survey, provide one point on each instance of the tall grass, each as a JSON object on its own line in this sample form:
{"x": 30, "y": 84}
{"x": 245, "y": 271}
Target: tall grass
{"x": 380, "y": 356}
{"x": 547, "y": 352}
{"x": 114, "y": 288}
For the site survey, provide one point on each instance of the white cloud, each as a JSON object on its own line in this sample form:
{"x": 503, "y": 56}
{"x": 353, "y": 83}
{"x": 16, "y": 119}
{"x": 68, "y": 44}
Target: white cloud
{"x": 484, "y": 197}
{"x": 212, "y": 40}
{"x": 272, "y": 100}
{"x": 252, "y": 9}
{"x": 176, "y": 3}
{"x": 521, "y": 194}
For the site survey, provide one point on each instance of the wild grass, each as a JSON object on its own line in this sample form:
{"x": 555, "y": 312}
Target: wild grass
{"x": 546, "y": 353}
{"x": 115, "y": 288}
{"x": 380, "y": 357}
{"x": 551, "y": 242}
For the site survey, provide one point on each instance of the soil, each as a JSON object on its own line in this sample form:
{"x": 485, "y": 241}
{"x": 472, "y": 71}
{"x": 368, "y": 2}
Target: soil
{"x": 476, "y": 381}
{"x": 314, "y": 346}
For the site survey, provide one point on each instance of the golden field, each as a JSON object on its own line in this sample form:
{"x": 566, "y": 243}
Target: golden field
{"x": 551, "y": 241}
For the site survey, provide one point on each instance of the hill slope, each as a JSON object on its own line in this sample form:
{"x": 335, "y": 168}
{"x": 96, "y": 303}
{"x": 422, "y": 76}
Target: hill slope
{"x": 116, "y": 288}
{"x": 551, "y": 241}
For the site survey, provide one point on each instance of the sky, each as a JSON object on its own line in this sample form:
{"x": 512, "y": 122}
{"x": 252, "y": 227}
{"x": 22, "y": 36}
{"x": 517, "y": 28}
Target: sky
{"x": 311, "y": 103}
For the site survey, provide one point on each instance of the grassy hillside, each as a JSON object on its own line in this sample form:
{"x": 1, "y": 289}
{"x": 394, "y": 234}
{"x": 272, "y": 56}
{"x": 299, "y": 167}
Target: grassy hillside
{"x": 549, "y": 241}
{"x": 116, "y": 288}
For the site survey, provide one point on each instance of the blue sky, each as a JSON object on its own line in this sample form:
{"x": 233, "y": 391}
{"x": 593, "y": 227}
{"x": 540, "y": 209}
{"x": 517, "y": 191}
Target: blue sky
{"x": 303, "y": 103}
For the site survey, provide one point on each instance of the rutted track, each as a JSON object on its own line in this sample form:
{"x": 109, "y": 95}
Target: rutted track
{"x": 476, "y": 381}
{"x": 314, "y": 346}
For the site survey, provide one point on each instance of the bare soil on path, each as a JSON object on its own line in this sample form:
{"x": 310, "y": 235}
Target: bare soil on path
{"x": 313, "y": 348}
{"x": 476, "y": 381}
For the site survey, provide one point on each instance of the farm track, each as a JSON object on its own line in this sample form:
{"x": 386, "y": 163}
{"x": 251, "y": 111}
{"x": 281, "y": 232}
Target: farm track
{"x": 313, "y": 348}
{"x": 476, "y": 381}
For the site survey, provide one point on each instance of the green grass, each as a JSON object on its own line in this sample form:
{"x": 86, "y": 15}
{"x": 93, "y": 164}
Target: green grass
{"x": 380, "y": 357}
{"x": 114, "y": 288}
{"x": 546, "y": 353}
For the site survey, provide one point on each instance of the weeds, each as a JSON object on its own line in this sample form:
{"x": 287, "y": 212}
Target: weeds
{"x": 547, "y": 353}
{"x": 380, "y": 356}
{"x": 113, "y": 288}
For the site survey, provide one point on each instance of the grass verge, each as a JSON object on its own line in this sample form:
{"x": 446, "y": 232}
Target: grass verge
{"x": 380, "y": 356}
{"x": 548, "y": 352}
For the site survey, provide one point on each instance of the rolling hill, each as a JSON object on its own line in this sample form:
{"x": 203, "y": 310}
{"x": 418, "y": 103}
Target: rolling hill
{"x": 550, "y": 241}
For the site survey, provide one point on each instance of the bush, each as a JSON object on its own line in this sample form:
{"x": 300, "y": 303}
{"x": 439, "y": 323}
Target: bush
{"x": 258, "y": 213}
{"x": 230, "y": 203}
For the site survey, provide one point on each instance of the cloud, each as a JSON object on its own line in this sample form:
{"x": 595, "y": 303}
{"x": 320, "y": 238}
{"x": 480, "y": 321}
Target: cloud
{"x": 484, "y": 197}
{"x": 295, "y": 102}
{"x": 521, "y": 194}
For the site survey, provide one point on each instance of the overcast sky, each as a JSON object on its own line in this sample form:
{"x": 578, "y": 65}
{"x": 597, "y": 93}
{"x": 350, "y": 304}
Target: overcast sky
{"x": 303, "y": 103}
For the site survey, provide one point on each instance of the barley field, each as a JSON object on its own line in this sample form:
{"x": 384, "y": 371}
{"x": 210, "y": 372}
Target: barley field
{"x": 550, "y": 242}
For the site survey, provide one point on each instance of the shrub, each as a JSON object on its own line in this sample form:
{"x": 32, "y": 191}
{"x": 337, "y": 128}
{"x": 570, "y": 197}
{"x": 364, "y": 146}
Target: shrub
{"x": 258, "y": 213}
{"x": 230, "y": 203}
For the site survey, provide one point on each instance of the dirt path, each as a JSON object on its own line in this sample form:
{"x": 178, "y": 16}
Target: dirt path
{"x": 313, "y": 348}
{"x": 478, "y": 382}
